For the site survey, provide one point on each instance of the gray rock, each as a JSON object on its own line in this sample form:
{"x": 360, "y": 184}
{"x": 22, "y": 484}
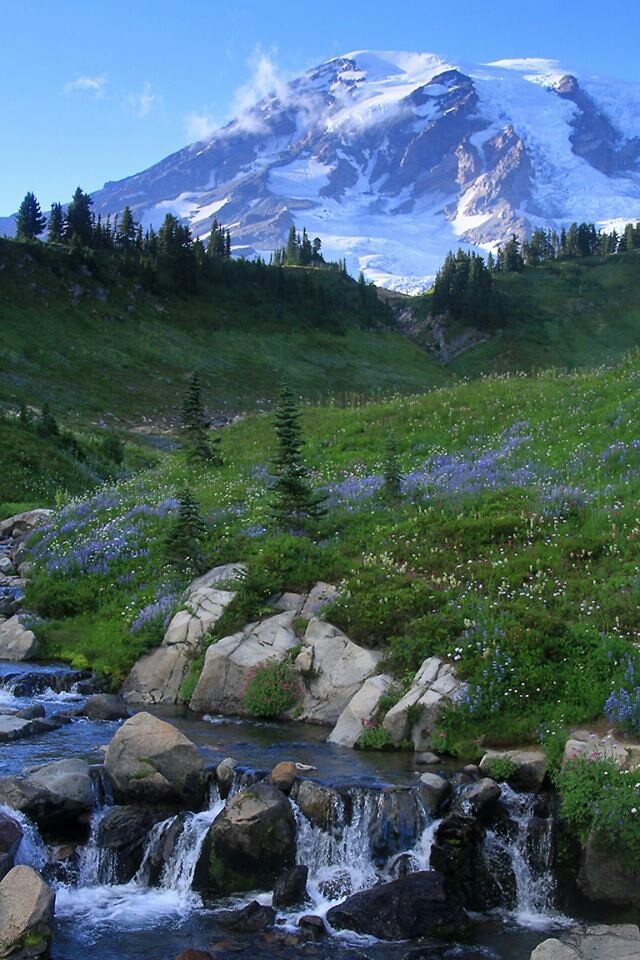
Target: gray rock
{"x": 229, "y": 662}
{"x": 290, "y": 888}
{"x": 149, "y": 761}
{"x": 105, "y": 706}
{"x": 478, "y": 799}
{"x": 585, "y": 745}
{"x": 315, "y": 801}
{"x": 336, "y": 673}
{"x": 531, "y": 767}
{"x": 602, "y": 879}
{"x": 249, "y": 919}
{"x": 435, "y": 791}
{"x": 361, "y": 709}
{"x": 426, "y": 759}
{"x": 10, "y": 837}
{"x": 23, "y": 523}
{"x": 26, "y": 914}
{"x": 434, "y": 685}
{"x": 252, "y": 841}
{"x": 69, "y": 781}
{"x": 7, "y": 568}
{"x": 123, "y": 832}
{"x": 16, "y": 642}
{"x": 602, "y": 942}
{"x": 319, "y": 597}
{"x": 225, "y": 775}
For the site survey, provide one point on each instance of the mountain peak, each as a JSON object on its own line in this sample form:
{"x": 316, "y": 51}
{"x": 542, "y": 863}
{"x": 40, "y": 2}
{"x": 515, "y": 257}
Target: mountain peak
{"x": 393, "y": 158}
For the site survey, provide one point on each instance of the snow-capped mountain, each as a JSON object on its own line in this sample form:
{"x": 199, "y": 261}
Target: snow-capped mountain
{"x": 393, "y": 159}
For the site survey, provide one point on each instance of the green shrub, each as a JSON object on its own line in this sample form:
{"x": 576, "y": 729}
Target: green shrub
{"x": 499, "y": 768}
{"x": 374, "y": 738}
{"x": 597, "y": 794}
{"x": 271, "y": 689}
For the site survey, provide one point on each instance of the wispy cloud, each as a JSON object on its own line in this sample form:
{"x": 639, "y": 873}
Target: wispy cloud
{"x": 91, "y": 85}
{"x": 200, "y": 126}
{"x": 266, "y": 77}
{"x": 141, "y": 104}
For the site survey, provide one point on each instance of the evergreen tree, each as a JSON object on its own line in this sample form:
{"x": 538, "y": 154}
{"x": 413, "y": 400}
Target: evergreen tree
{"x": 126, "y": 235}
{"x": 293, "y": 502}
{"x": 47, "y": 425}
{"x": 391, "y": 470}
{"x": 195, "y": 438}
{"x": 183, "y": 542}
{"x": 29, "y": 222}
{"x": 56, "y": 225}
{"x": 24, "y": 415}
{"x": 80, "y": 218}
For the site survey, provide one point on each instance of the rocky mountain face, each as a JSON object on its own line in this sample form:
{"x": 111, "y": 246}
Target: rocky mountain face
{"x": 392, "y": 159}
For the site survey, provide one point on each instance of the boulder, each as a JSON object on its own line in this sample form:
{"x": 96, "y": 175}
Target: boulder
{"x": 283, "y": 775}
{"x": 250, "y": 919}
{"x": 225, "y": 776}
{"x": 602, "y": 942}
{"x": 10, "y": 837}
{"x": 158, "y": 676}
{"x": 123, "y": 832}
{"x": 7, "y": 568}
{"x": 434, "y": 685}
{"x": 229, "y": 663}
{"x": 149, "y": 761}
{"x": 16, "y": 642}
{"x": 105, "y": 706}
{"x": 316, "y": 802}
{"x": 585, "y": 745}
{"x": 55, "y": 795}
{"x": 361, "y": 709}
{"x": 435, "y": 792}
{"x": 426, "y": 759}
{"x": 478, "y": 799}
{"x": 312, "y": 927}
{"x": 23, "y": 523}
{"x": 602, "y": 879}
{"x": 405, "y": 909}
{"x": 26, "y": 914}
{"x": 318, "y": 597}
{"x": 530, "y": 767}
{"x": 334, "y": 668}
{"x": 457, "y": 856}
{"x": 290, "y": 888}
{"x": 252, "y": 841}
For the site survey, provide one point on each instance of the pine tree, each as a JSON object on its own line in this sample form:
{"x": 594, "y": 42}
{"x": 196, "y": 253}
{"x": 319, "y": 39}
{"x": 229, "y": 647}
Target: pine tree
{"x": 392, "y": 476}
{"x": 80, "y": 218}
{"x": 56, "y": 225}
{"x": 183, "y": 542}
{"x": 47, "y": 425}
{"x": 29, "y": 222}
{"x": 195, "y": 438}
{"x": 126, "y": 235}
{"x": 293, "y": 501}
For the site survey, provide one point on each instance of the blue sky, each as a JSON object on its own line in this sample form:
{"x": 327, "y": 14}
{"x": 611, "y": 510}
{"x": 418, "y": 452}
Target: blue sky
{"x": 95, "y": 90}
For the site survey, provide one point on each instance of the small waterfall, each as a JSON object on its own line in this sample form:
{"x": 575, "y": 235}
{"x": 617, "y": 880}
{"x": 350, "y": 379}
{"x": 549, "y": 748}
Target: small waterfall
{"x": 32, "y": 851}
{"x": 96, "y": 865}
{"x": 174, "y": 848}
{"x": 369, "y": 831}
{"x": 521, "y": 857}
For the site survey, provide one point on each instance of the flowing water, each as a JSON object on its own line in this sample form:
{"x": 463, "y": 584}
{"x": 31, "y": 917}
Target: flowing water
{"x": 377, "y": 828}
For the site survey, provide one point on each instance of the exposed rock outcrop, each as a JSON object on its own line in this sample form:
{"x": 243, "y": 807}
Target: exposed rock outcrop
{"x": 603, "y": 879}
{"x": 434, "y": 685}
{"x": 333, "y": 668}
{"x": 55, "y": 795}
{"x": 361, "y": 710}
{"x": 229, "y": 663}
{"x": 530, "y": 767}
{"x": 158, "y": 676}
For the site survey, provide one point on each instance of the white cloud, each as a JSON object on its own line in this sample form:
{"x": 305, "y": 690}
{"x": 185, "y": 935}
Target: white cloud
{"x": 200, "y": 126}
{"x": 93, "y": 85}
{"x": 141, "y": 104}
{"x": 265, "y": 78}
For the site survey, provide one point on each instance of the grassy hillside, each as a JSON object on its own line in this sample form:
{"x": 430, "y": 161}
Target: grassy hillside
{"x": 96, "y": 345}
{"x": 513, "y": 550}
{"x": 568, "y": 314}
